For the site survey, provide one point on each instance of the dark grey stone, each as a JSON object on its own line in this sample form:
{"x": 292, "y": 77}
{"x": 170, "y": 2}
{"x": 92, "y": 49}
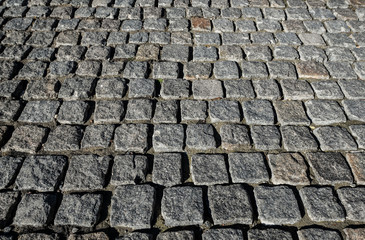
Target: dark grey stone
{"x": 175, "y": 53}
{"x": 168, "y": 138}
{"x": 224, "y": 111}
{"x": 139, "y": 109}
{"x": 126, "y": 52}
{"x": 193, "y": 110}
{"x": 41, "y": 89}
{"x": 247, "y": 168}
{"x": 266, "y": 137}
{"x": 141, "y": 88}
{"x": 88, "y": 68}
{"x": 291, "y": 113}
{"x": 176, "y": 209}
{"x": 7, "y": 203}
{"x": 166, "y": 112}
{"x": 230, "y": 204}
{"x": 179, "y": 235}
{"x": 205, "y": 54}
{"x": 235, "y": 137}
{"x": 353, "y": 89}
{"x": 321, "y": 204}
{"x": 80, "y": 210}
{"x": 39, "y": 112}
{"x": 175, "y": 89}
{"x": 165, "y": 70}
{"x": 97, "y": 136}
{"x": 86, "y": 172}
{"x": 64, "y": 138}
{"x": 107, "y": 112}
{"x": 61, "y": 68}
{"x": 129, "y": 169}
{"x": 340, "y": 70}
{"x": 266, "y": 89}
{"x": 296, "y": 89}
{"x": 208, "y": 169}
{"x": 135, "y": 69}
{"x": 131, "y": 137}
{"x": 70, "y": 53}
{"x": 200, "y": 137}
{"x": 254, "y": 70}
{"x": 277, "y": 205}
{"x": 282, "y": 70}
{"x": 258, "y": 112}
{"x": 269, "y": 234}
{"x": 33, "y": 70}
{"x": 73, "y": 112}
{"x": 132, "y": 206}
{"x": 338, "y": 172}
{"x": 207, "y": 89}
{"x": 327, "y": 90}
{"x": 258, "y": 53}
{"x": 136, "y": 236}
{"x": 355, "y": 109}
{"x": 226, "y": 70}
{"x": 224, "y": 233}
{"x": 41, "y": 173}
{"x": 76, "y": 88}
{"x": 10, "y": 166}
{"x": 358, "y": 131}
{"x": 298, "y": 138}
{"x": 334, "y": 138}
{"x": 27, "y": 139}
{"x": 167, "y": 169}
{"x": 9, "y": 110}
{"x": 353, "y": 201}
{"x": 197, "y": 70}
{"x": 315, "y": 233}
{"x": 239, "y": 89}
{"x": 34, "y": 210}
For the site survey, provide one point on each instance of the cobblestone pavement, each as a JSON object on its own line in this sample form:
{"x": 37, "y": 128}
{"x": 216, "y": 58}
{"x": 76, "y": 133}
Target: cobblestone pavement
{"x": 178, "y": 119}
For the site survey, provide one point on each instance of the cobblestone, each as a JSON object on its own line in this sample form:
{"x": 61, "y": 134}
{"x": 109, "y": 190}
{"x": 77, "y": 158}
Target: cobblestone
{"x": 352, "y": 200}
{"x": 216, "y": 173}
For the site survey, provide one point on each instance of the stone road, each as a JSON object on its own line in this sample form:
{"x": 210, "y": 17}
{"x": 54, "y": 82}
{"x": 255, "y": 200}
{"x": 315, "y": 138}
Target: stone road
{"x": 182, "y": 119}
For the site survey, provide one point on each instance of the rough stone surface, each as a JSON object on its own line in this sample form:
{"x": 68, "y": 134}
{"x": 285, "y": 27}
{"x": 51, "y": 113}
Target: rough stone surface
{"x": 131, "y": 137}
{"x": 208, "y": 169}
{"x": 64, "y": 138}
{"x": 325, "y": 112}
{"x": 298, "y": 138}
{"x": 235, "y": 137}
{"x": 270, "y": 233}
{"x": 266, "y": 137}
{"x": 336, "y": 172}
{"x": 200, "y": 137}
{"x": 334, "y": 138}
{"x": 315, "y": 233}
{"x": 129, "y": 169}
{"x": 167, "y": 169}
{"x": 132, "y": 206}
{"x": 230, "y": 204}
{"x": 353, "y": 201}
{"x": 168, "y": 138}
{"x": 176, "y": 207}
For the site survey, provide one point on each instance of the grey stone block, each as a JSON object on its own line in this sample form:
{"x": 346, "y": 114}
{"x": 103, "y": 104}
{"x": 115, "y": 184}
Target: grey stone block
{"x": 197, "y": 70}
{"x": 26, "y": 139}
{"x": 97, "y": 136}
{"x": 296, "y": 89}
{"x": 325, "y": 112}
{"x": 8, "y": 200}
{"x": 9, "y": 88}
{"x": 231, "y": 53}
{"x": 110, "y": 88}
{"x": 340, "y": 70}
{"x": 10, "y": 166}
{"x": 353, "y": 89}
{"x": 136, "y": 236}
{"x": 226, "y": 70}
{"x": 41, "y": 173}
{"x": 327, "y": 90}
{"x": 166, "y": 112}
{"x": 34, "y": 210}
{"x": 288, "y": 168}
{"x": 356, "y": 161}
{"x": 141, "y": 88}
{"x": 266, "y": 89}
{"x": 129, "y": 169}
{"x": 239, "y": 89}
{"x": 205, "y": 54}
{"x": 76, "y": 88}
{"x": 107, "y": 112}
{"x": 235, "y": 137}
{"x": 193, "y": 110}
{"x": 247, "y": 168}
{"x": 168, "y": 138}
{"x": 39, "y": 112}
{"x": 312, "y": 53}
{"x": 134, "y": 69}
{"x": 266, "y": 137}
{"x": 258, "y": 53}
{"x": 207, "y": 89}
{"x": 282, "y": 70}
{"x": 208, "y": 169}
{"x": 80, "y": 210}
{"x": 132, "y": 206}
{"x": 73, "y": 112}
{"x": 86, "y": 172}
{"x": 277, "y": 205}
{"x": 258, "y": 112}
{"x": 165, "y": 70}
{"x": 224, "y": 111}
{"x": 131, "y": 137}
{"x": 355, "y": 109}
{"x": 353, "y": 201}
{"x": 224, "y": 233}
{"x": 334, "y": 138}
{"x": 167, "y": 169}
{"x": 175, "y": 53}
{"x": 254, "y": 70}
{"x": 41, "y": 89}
{"x": 269, "y": 234}
{"x": 88, "y": 68}
{"x": 9, "y": 110}
{"x": 64, "y": 138}
{"x": 315, "y": 233}
{"x": 338, "y": 172}
{"x": 179, "y": 235}
{"x": 175, "y": 89}
{"x": 321, "y": 204}
{"x": 358, "y": 131}
{"x": 200, "y": 137}
{"x": 298, "y": 138}
{"x": 291, "y": 113}
{"x": 139, "y": 109}
{"x": 230, "y": 204}
{"x": 176, "y": 208}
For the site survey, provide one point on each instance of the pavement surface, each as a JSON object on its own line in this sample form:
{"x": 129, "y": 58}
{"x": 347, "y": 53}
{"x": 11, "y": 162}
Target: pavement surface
{"x": 178, "y": 119}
